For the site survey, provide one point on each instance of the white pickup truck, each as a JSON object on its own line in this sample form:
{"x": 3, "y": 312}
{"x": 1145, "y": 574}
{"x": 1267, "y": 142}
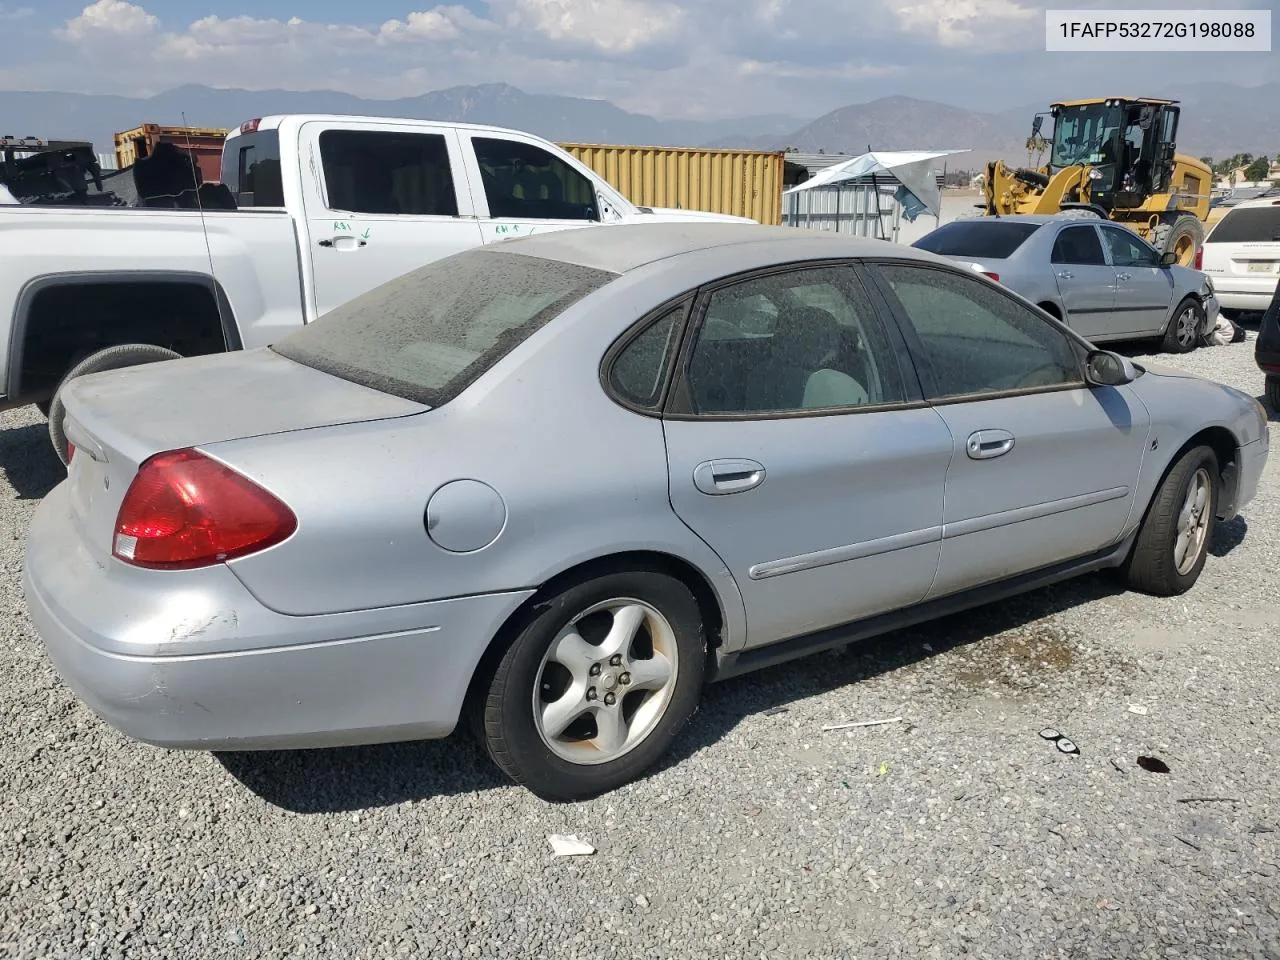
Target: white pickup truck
{"x": 312, "y": 212}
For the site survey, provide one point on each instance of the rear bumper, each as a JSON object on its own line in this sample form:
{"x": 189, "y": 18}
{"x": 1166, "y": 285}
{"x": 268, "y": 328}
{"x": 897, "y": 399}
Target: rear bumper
{"x": 1243, "y": 293}
{"x": 200, "y": 664}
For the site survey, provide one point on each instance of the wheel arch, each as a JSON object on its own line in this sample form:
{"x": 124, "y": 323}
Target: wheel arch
{"x": 1224, "y": 445}
{"x": 25, "y": 307}
{"x": 1051, "y": 308}
{"x": 710, "y": 604}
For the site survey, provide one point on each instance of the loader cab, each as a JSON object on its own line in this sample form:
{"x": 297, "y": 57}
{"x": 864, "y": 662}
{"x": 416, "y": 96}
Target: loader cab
{"x": 1128, "y": 144}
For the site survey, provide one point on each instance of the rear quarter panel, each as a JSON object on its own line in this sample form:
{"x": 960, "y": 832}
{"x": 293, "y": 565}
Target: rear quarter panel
{"x": 579, "y": 476}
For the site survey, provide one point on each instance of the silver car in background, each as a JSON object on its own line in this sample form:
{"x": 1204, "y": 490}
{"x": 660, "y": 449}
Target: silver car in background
{"x": 549, "y": 486}
{"x": 1100, "y": 278}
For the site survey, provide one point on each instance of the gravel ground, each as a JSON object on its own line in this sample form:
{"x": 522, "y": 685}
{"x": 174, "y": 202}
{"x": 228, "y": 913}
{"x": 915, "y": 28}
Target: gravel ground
{"x": 956, "y": 832}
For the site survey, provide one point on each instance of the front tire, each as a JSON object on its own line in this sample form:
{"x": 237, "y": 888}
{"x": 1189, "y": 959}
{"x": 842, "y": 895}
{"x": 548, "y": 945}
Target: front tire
{"x": 1183, "y": 235}
{"x": 112, "y": 358}
{"x": 1185, "y": 328}
{"x": 596, "y": 684}
{"x": 1173, "y": 542}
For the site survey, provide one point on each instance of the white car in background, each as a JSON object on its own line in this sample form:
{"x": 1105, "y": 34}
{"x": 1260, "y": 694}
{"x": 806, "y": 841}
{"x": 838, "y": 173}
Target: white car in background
{"x": 1242, "y": 255}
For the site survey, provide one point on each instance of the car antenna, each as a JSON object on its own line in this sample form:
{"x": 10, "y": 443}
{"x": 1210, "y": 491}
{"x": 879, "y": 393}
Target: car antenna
{"x": 204, "y": 228}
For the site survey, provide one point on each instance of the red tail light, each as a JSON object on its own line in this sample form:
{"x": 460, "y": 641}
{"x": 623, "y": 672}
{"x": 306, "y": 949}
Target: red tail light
{"x": 186, "y": 510}
{"x": 993, "y": 276}
{"x": 71, "y": 452}
{"x": 1199, "y": 261}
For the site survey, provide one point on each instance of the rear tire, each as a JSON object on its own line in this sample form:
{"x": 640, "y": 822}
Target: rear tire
{"x": 1079, "y": 213}
{"x": 617, "y": 714}
{"x": 112, "y": 358}
{"x": 1162, "y": 563}
{"x": 1183, "y": 235}
{"x": 1273, "y": 393}
{"x": 1185, "y": 328}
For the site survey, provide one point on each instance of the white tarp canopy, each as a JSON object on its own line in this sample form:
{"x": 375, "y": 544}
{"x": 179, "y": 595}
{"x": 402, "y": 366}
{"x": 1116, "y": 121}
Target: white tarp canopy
{"x": 914, "y": 169}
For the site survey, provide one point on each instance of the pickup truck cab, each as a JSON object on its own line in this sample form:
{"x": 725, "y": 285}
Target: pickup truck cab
{"x": 312, "y": 212}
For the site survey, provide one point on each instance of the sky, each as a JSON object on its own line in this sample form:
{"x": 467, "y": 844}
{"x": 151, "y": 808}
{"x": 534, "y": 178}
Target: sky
{"x": 695, "y": 59}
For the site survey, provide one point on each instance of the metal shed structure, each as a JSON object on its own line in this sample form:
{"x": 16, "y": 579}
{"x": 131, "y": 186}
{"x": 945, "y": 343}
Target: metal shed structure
{"x": 866, "y": 195}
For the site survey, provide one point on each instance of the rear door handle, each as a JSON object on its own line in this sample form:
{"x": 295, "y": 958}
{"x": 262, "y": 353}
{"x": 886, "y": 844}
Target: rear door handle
{"x": 988, "y": 444}
{"x": 1124, "y": 276}
{"x": 1066, "y": 275}
{"x": 344, "y": 243}
{"x": 719, "y": 477}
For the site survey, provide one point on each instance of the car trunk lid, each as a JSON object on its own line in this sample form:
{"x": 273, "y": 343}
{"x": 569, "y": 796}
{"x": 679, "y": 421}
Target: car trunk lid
{"x": 117, "y": 420}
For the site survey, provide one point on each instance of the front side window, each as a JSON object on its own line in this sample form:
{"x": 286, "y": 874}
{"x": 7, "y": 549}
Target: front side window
{"x": 524, "y": 182}
{"x": 1080, "y": 246}
{"x": 380, "y": 172}
{"x": 426, "y": 335}
{"x": 806, "y": 339}
{"x": 975, "y": 340}
{"x": 1128, "y": 250}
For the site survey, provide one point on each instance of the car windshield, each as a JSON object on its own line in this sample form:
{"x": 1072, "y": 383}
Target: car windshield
{"x": 428, "y": 334}
{"x": 1085, "y": 134}
{"x": 1248, "y": 225}
{"x": 991, "y": 239}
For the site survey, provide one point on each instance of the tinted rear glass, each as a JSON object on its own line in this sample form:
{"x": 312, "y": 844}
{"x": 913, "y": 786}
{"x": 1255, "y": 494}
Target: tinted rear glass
{"x": 427, "y": 335}
{"x": 1248, "y": 225}
{"x": 992, "y": 239}
{"x": 251, "y": 169}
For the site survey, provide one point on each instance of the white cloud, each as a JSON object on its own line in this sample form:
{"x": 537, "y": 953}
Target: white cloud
{"x": 964, "y": 23}
{"x": 440, "y": 23}
{"x": 110, "y": 18}
{"x": 610, "y": 26}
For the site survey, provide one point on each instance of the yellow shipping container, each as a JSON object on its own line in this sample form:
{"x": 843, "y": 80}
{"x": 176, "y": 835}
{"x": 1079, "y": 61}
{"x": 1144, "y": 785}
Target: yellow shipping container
{"x": 742, "y": 183}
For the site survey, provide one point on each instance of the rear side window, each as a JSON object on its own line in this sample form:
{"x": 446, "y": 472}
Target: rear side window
{"x": 1247, "y": 225}
{"x": 370, "y": 171}
{"x": 251, "y": 169}
{"x": 1079, "y": 245}
{"x": 427, "y": 335}
{"x": 640, "y": 369}
{"x": 989, "y": 238}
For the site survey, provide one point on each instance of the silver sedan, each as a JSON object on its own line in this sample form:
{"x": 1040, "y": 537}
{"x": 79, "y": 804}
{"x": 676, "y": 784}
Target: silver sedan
{"x": 1100, "y": 278}
{"x": 550, "y": 487}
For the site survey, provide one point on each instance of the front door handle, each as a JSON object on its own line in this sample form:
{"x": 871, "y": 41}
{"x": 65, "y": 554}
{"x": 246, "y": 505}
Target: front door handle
{"x": 988, "y": 444}
{"x": 1066, "y": 275}
{"x": 719, "y": 477}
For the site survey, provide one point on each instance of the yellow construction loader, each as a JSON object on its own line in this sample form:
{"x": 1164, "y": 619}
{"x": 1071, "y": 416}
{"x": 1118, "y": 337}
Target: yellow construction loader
{"x": 1115, "y": 159}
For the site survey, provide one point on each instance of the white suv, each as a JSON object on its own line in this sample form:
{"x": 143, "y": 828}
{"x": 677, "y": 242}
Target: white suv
{"x": 1242, "y": 255}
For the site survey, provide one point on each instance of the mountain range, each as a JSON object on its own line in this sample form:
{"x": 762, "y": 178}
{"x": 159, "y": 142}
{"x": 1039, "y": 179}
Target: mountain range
{"x": 1219, "y": 119}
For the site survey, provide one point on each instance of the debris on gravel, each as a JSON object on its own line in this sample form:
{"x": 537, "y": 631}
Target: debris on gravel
{"x": 954, "y": 832}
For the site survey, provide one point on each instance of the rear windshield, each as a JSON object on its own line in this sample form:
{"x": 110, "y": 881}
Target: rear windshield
{"x": 1247, "y": 225}
{"x": 990, "y": 239}
{"x": 427, "y": 335}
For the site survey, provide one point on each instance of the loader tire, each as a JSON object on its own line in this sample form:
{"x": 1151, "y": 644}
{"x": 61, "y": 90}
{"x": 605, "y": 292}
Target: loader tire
{"x": 1183, "y": 235}
{"x": 112, "y": 358}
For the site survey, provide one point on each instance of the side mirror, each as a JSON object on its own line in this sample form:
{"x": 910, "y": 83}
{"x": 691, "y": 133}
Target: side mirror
{"x": 1106, "y": 369}
{"x": 1036, "y": 124}
{"x": 1168, "y": 259}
